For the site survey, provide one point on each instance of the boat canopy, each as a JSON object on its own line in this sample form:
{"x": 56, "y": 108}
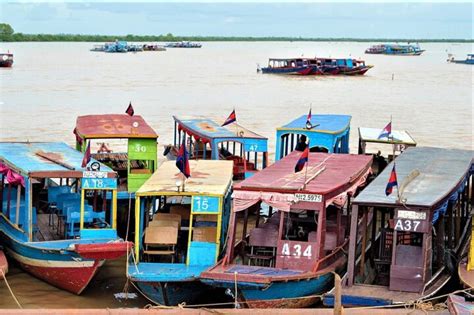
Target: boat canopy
{"x": 113, "y": 126}
{"x": 397, "y": 136}
{"x": 441, "y": 172}
{"x": 329, "y": 178}
{"x": 208, "y": 177}
{"x": 328, "y": 131}
{"x": 45, "y": 160}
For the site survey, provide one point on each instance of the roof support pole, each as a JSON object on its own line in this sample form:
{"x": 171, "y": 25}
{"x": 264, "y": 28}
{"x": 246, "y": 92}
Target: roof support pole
{"x": 352, "y": 245}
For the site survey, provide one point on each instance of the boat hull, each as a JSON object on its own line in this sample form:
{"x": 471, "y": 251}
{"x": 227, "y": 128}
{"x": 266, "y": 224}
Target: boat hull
{"x": 6, "y": 60}
{"x": 291, "y": 71}
{"x": 171, "y": 293}
{"x": 355, "y": 71}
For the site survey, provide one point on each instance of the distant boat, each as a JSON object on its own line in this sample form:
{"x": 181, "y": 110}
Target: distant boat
{"x": 315, "y": 66}
{"x": 6, "y": 60}
{"x": 468, "y": 61}
{"x": 116, "y": 47}
{"x": 151, "y": 47}
{"x": 291, "y": 66}
{"x": 343, "y": 66}
{"x": 395, "y": 49}
{"x": 183, "y": 45}
{"x": 98, "y": 48}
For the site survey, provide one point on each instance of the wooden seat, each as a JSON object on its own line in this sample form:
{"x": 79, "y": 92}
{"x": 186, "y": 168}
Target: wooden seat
{"x": 161, "y": 240}
{"x": 167, "y": 217}
{"x": 263, "y": 243}
{"x": 205, "y": 234}
{"x": 156, "y": 223}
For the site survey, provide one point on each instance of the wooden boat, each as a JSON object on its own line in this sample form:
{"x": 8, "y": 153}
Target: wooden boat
{"x": 352, "y": 66}
{"x": 206, "y": 139}
{"x": 297, "y": 231}
{"x": 398, "y": 141}
{"x": 291, "y": 66}
{"x": 153, "y": 47}
{"x": 459, "y": 305}
{"x": 326, "y": 133}
{"x": 404, "y": 257}
{"x": 469, "y": 59}
{"x": 183, "y": 44}
{"x": 54, "y": 219}
{"x": 184, "y": 234}
{"x": 6, "y": 60}
{"x": 3, "y": 264}
{"x": 395, "y": 49}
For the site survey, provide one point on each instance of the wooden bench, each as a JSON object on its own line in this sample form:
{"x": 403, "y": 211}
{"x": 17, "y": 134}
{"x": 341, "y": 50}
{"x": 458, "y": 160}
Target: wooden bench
{"x": 161, "y": 240}
{"x": 263, "y": 243}
{"x": 205, "y": 234}
{"x": 167, "y": 217}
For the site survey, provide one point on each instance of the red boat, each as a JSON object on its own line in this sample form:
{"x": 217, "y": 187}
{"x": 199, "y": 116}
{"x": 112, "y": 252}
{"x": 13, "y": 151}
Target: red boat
{"x": 6, "y": 60}
{"x": 3, "y": 264}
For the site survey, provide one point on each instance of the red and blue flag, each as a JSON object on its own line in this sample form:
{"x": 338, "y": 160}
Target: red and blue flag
{"x": 302, "y": 160}
{"x": 386, "y": 132}
{"x": 130, "y": 111}
{"x": 182, "y": 160}
{"x": 392, "y": 181}
{"x": 232, "y": 118}
{"x": 87, "y": 156}
{"x": 309, "y": 125}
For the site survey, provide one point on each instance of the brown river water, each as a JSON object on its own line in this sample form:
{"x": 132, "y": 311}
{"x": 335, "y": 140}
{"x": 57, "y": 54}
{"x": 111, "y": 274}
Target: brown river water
{"x": 50, "y": 84}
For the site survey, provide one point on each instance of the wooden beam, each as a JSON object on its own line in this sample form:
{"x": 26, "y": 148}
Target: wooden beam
{"x": 352, "y": 246}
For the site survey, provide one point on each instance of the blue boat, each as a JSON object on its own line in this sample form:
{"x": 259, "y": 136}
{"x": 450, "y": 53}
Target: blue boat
{"x": 395, "y": 49}
{"x": 468, "y": 61}
{"x": 54, "y": 219}
{"x": 288, "y": 232}
{"x": 116, "y": 47}
{"x": 205, "y": 138}
{"x": 325, "y": 133}
{"x": 183, "y": 44}
{"x": 181, "y": 230}
{"x": 413, "y": 238}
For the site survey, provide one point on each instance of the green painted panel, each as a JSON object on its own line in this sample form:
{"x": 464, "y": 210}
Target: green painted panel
{"x": 142, "y": 149}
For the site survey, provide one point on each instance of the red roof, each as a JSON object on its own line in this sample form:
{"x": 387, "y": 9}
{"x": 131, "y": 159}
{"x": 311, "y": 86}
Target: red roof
{"x": 113, "y": 126}
{"x": 327, "y": 174}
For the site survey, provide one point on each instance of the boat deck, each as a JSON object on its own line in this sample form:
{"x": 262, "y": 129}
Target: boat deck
{"x": 379, "y": 292}
{"x": 149, "y": 272}
{"x": 46, "y": 232}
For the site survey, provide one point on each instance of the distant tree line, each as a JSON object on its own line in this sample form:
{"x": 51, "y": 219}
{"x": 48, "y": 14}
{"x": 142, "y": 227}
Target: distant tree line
{"x": 7, "y": 34}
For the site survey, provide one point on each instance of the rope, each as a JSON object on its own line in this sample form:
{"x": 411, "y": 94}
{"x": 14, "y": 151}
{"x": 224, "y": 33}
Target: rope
{"x": 10, "y": 289}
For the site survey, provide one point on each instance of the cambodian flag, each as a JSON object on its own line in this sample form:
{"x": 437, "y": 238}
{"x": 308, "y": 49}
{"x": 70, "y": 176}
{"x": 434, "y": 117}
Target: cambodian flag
{"x": 392, "y": 181}
{"x": 130, "y": 111}
{"x": 232, "y": 118}
{"x": 386, "y": 132}
{"x": 302, "y": 160}
{"x": 182, "y": 161}
{"x": 87, "y": 155}
{"x": 308, "y": 118}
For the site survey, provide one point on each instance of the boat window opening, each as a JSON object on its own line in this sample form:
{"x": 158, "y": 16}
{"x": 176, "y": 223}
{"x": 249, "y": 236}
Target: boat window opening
{"x": 318, "y": 149}
{"x": 300, "y": 225}
{"x": 141, "y": 166}
{"x": 98, "y": 212}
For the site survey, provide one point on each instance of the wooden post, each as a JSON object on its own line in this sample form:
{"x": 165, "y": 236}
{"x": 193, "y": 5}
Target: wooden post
{"x": 337, "y": 295}
{"x": 374, "y": 232}
{"x": 440, "y": 241}
{"x": 364, "y": 241}
{"x": 9, "y": 196}
{"x": 244, "y": 229}
{"x": 352, "y": 246}
{"x": 450, "y": 225}
{"x": 18, "y": 197}
{"x": 1, "y": 193}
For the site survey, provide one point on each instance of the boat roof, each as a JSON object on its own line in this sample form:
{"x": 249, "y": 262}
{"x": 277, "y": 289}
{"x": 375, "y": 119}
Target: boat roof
{"x": 287, "y": 59}
{"x": 327, "y": 173}
{"x": 441, "y": 171}
{"x": 398, "y": 136}
{"x": 333, "y": 124}
{"x": 113, "y": 126}
{"x": 44, "y": 159}
{"x": 208, "y": 128}
{"x": 208, "y": 177}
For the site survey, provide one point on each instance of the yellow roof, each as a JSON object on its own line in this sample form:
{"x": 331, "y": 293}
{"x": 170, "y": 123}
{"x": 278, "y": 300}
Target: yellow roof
{"x": 208, "y": 177}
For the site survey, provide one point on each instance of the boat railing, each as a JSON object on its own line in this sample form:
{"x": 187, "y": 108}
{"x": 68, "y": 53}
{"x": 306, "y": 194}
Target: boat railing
{"x": 329, "y": 259}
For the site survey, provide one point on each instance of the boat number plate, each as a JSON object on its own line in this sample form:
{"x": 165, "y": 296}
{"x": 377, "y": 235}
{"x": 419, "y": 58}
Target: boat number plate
{"x": 94, "y": 174}
{"x": 309, "y": 197}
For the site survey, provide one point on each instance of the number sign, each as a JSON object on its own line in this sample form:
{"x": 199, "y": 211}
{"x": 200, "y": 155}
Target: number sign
{"x": 309, "y": 197}
{"x": 411, "y": 221}
{"x": 99, "y": 183}
{"x": 297, "y": 250}
{"x": 205, "y": 204}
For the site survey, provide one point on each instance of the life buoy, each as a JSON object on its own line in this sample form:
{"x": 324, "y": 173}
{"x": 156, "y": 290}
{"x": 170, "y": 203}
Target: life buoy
{"x": 5, "y": 57}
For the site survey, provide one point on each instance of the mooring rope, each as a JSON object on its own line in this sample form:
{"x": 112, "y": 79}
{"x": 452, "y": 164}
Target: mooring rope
{"x": 10, "y": 289}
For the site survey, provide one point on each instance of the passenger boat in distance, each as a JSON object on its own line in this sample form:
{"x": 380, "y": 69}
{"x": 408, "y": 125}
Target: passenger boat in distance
{"x": 183, "y": 44}
{"x": 181, "y": 228}
{"x": 413, "y": 237}
{"x": 153, "y": 47}
{"x": 54, "y": 217}
{"x": 324, "y": 133}
{"x": 352, "y": 66}
{"x": 6, "y": 60}
{"x": 395, "y": 49}
{"x": 370, "y": 140}
{"x": 291, "y": 66}
{"x": 3, "y": 264}
{"x": 207, "y": 139}
{"x": 288, "y": 232}
{"x": 468, "y": 61}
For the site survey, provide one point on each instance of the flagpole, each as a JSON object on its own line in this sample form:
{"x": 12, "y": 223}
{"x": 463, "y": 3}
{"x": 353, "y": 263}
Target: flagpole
{"x": 306, "y": 170}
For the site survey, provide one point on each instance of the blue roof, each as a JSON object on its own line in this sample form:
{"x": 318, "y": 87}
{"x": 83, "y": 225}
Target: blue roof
{"x": 23, "y": 156}
{"x": 208, "y": 128}
{"x": 323, "y": 123}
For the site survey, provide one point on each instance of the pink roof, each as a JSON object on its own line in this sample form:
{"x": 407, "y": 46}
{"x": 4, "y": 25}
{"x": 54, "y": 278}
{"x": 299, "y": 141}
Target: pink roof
{"x": 113, "y": 126}
{"x": 326, "y": 174}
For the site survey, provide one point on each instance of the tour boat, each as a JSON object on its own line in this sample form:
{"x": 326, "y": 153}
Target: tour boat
{"x": 417, "y": 233}
{"x": 468, "y": 61}
{"x": 288, "y": 232}
{"x": 325, "y": 133}
{"x": 291, "y": 66}
{"x": 183, "y": 44}
{"x": 205, "y": 138}
{"x": 6, "y": 60}
{"x": 54, "y": 219}
{"x": 395, "y": 49}
{"x": 181, "y": 227}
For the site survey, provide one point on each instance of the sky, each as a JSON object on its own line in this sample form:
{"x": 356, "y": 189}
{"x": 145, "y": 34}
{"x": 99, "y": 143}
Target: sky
{"x": 430, "y": 20}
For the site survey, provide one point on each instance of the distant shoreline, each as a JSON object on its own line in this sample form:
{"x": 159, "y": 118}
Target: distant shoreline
{"x": 19, "y": 37}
